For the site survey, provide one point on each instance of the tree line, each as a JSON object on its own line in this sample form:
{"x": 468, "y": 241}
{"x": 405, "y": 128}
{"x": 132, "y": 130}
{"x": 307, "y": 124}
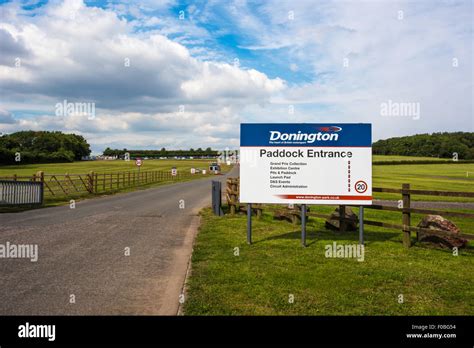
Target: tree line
{"x": 42, "y": 147}
{"x": 162, "y": 153}
{"x": 442, "y": 145}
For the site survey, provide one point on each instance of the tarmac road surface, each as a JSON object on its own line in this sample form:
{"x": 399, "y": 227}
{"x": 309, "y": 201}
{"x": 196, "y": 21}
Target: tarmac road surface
{"x": 82, "y": 253}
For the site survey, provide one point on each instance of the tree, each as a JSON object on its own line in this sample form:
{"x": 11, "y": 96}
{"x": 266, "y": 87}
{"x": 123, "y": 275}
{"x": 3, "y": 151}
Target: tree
{"x": 442, "y": 145}
{"x": 42, "y": 147}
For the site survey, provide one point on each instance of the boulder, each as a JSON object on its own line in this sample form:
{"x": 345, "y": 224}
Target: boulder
{"x": 447, "y": 240}
{"x": 292, "y": 214}
{"x": 333, "y": 221}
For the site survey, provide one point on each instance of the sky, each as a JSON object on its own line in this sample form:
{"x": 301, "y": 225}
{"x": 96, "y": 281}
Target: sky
{"x": 182, "y": 74}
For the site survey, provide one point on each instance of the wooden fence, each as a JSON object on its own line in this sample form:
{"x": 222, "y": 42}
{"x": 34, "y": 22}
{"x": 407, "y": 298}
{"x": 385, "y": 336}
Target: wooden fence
{"x": 232, "y": 194}
{"x": 405, "y": 209}
{"x": 60, "y": 185}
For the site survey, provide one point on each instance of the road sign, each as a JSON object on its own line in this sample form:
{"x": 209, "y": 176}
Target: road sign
{"x": 138, "y": 162}
{"x": 174, "y": 171}
{"x": 306, "y": 163}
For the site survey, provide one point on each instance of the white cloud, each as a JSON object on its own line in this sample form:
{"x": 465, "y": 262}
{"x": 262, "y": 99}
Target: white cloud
{"x": 406, "y": 60}
{"x": 88, "y": 54}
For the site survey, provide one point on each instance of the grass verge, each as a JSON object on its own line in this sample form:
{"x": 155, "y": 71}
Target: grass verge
{"x": 261, "y": 279}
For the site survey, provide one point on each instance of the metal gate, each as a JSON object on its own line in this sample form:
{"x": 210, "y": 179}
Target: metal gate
{"x": 20, "y": 192}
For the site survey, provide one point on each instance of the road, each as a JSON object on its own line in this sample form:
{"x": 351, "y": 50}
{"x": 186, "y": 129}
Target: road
{"x": 83, "y": 267}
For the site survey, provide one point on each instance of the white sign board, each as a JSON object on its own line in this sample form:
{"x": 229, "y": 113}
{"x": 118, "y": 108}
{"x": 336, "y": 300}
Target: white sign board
{"x": 174, "y": 171}
{"x": 138, "y": 162}
{"x": 306, "y": 163}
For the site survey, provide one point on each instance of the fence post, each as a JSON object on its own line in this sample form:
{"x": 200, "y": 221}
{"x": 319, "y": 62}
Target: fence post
{"x": 90, "y": 186}
{"x": 96, "y": 177}
{"x": 406, "y": 215}
{"x": 342, "y": 215}
{"x": 232, "y": 193}
{"x": 40, "y": 175}
{"x": 235, "y": 189}
{"x": 259, "y": 211}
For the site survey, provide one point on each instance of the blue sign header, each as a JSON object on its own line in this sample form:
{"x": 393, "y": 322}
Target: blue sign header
{"x": 306, "y": 134}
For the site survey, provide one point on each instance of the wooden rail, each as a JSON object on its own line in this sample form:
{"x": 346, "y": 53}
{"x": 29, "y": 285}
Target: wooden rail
{"x": 424, "y": 192}
{"x": 60, "y": 185}
{"x": 406, "y": 210}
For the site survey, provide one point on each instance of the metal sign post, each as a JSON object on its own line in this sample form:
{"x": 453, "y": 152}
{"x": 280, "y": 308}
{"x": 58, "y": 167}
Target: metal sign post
{"x": 138, "y": 163}
{"x": 216, "y": 198}
{"x": 361, "y": 225}
{"x": 303, "y": 225}
{"x": 249, "y": 223}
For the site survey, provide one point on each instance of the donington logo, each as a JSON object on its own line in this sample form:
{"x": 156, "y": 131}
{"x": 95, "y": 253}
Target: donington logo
{"x": 324, "y": 134}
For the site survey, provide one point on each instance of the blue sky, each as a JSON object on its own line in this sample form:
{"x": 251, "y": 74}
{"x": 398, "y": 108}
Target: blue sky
{"x": 191, "y": 79}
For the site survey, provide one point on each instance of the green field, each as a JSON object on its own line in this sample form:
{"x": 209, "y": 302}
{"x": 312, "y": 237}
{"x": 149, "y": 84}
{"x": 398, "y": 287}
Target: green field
{"x": 261, "y": 279}
{"x": 384, "y": 158}
{"x": 441, "y": 177}
{"x": 83, "y": 167}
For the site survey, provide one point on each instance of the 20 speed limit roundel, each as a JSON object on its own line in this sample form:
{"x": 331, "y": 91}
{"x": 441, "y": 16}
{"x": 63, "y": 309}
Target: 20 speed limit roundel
{"x": 360, "y": 186}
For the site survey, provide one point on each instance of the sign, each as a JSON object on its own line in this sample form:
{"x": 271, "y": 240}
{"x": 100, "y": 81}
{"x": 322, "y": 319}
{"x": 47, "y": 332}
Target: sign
{"x": 287, "y": 163}
{"x": 174, "y": 171}
{"x": 138, "y": 162}
{"x": 193, "y": 170}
